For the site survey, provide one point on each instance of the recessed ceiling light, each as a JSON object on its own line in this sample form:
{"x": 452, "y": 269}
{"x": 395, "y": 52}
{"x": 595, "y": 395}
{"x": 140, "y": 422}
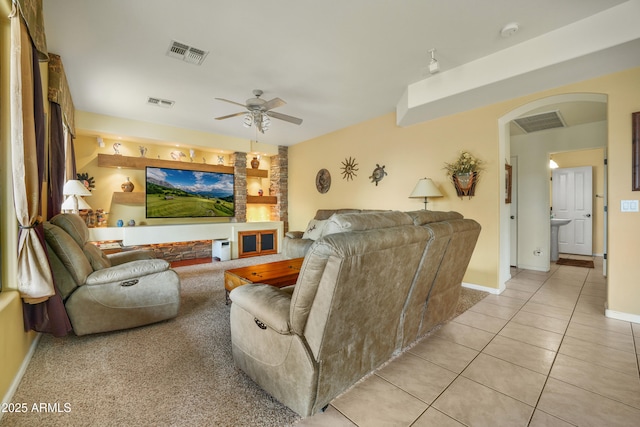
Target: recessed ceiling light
{"x": 509, "y": 29}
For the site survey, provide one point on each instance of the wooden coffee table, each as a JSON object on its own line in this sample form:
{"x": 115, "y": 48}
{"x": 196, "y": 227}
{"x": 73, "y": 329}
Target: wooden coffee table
{"x": 278, "y": 274}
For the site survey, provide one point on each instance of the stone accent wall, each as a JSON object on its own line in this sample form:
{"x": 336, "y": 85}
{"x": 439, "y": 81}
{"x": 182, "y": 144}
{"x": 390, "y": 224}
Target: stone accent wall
{"x": 239, "y": 161}
{"x": 278, "y": 186}
{"x": 179, "y": 251}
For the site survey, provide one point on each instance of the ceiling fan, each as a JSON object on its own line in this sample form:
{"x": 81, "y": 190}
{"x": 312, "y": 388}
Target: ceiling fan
{"x": 259, "y": 112}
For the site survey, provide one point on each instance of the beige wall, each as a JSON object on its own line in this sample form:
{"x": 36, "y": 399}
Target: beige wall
{"x": 418, "y": 151}
{"x": 408, "y": 154}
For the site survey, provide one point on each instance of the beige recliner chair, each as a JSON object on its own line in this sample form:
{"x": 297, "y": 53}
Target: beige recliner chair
{"x": 108, "y": 292}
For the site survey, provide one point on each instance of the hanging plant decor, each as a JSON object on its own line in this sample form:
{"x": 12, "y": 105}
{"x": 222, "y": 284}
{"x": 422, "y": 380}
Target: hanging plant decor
{"x": 464, "y": 173}
{"x": 349, "y": 168}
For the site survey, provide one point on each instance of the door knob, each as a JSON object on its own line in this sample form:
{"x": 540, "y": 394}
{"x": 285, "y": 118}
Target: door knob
{"x": 588, "y": 215}
{"x": 513, "y": 217}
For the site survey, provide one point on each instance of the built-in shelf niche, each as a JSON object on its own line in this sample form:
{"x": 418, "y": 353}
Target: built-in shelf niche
{"x": 132, "y": 198}
{"x": 118, "y": 161}
{"x": 138, "y": 198}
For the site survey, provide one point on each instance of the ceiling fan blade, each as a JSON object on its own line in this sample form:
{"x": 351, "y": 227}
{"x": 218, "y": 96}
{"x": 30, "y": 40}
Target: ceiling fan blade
{"x": 284, "y": 117}
{"x": 230, "y": 115}
{"x": 274, "y": 103}
{"x": 231, "y": 102}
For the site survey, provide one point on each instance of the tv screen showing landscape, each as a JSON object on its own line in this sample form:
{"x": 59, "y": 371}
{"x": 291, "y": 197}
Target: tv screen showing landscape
{"x": 179, "y": 193}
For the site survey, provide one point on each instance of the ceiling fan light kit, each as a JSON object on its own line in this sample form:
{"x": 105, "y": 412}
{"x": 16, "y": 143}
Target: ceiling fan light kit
{"x": 259, "y": 112}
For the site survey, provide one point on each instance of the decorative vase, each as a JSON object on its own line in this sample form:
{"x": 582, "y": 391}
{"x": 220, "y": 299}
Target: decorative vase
{"x": 127, "y": 186}
{"x": 465, "y": 183}
{"x": 255, "y": 163}
{"x": 260, "y": 192}
{"x": 120, "y": 223}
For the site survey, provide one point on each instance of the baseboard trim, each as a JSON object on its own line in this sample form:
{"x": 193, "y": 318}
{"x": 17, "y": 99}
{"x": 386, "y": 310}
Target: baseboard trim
{"x": 495, "y": 291}
{"x": 23, "y": 368}
{"x": 619, "y": 315}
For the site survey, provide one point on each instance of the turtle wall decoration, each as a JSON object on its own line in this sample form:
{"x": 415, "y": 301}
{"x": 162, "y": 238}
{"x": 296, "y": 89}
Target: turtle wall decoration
{"x": 378, "y": 174}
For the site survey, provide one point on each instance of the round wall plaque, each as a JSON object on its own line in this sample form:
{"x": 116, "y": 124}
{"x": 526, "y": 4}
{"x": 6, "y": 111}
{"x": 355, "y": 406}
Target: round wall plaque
{"x": 323, "y": 181}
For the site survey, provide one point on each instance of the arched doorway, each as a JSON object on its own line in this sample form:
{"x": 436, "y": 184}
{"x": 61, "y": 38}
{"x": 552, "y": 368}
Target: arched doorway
{"x": 505, "y": 153}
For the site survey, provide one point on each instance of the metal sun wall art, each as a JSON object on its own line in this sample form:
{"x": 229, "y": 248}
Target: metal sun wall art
{"x": 349, "y": 168}
{"x": 378, "y": 174}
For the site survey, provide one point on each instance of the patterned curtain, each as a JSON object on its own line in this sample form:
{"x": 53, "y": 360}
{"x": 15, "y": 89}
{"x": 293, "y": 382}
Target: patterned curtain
{"x": 31, "y": 11}
{"x": 59, "y": 91}
{"x": 61, "y": 151}
{"x": 42, "y": 307}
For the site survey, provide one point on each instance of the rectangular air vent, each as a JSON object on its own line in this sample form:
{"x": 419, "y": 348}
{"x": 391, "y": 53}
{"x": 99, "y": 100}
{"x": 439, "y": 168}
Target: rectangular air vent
{"x": 186, "y": 53}
{"x": 541, "y": 121}
{"x": 158, "y": 102}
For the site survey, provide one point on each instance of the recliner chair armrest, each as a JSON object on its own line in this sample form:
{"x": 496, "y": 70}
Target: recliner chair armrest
{"x": 294, "y": 234}
{"x": 127, "y": 271}
{"x": 266, "y": 303}
{"x": 128, "y": 256}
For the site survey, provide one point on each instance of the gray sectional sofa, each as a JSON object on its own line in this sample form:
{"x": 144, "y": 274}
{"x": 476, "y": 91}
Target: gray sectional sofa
{"x": 369, "y": 286}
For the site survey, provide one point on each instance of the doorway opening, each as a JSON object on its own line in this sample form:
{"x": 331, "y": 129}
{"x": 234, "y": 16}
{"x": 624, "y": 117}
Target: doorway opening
{"x": 530, "y": 219}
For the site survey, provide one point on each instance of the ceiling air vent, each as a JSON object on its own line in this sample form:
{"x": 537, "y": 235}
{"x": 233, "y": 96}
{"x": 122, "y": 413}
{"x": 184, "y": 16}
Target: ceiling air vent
{"x": 542, "y": 121}
{"x": 158, "y": 102}
{"x": 186, "y": 53}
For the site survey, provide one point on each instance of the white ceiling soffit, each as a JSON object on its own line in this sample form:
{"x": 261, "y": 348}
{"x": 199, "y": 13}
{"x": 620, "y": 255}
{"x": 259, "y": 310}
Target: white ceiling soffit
{"x": 547, "y": 61}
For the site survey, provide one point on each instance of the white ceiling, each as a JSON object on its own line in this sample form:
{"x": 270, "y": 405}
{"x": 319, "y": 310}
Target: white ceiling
{"x": 335, "y": 62}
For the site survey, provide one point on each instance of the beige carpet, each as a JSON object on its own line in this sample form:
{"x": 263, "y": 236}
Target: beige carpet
{"x": 174, "y": 373}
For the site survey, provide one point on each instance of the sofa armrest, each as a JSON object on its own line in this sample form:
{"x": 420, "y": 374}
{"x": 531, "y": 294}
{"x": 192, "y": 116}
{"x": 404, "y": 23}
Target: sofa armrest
{"x": 128, "y": 256}
{"x": 266, "y": 303}
{"x": 130, "y": 270}
{"x": 294, "y": 234}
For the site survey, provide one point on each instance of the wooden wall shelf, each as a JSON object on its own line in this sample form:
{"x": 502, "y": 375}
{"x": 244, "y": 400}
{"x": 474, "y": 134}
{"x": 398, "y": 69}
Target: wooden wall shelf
{"x": 117, "y": 161}
{"x": 258, "y": 173}
{"x": 132, "y": 198}
{"x": 262, "y": 200}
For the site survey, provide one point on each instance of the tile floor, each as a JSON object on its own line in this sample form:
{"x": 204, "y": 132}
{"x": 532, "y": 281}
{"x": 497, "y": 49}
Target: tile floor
{"x": 540, "y": 354}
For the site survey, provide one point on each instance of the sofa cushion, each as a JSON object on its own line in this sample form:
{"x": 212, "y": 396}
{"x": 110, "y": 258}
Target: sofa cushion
{"x": 70, "y": 254}
{"x": 426, "y": 217}
{"x": 314, "y": 229}
{"x": 326, "y": 213}
{"x": 73, "y": 225}
{"x": 340, "y": 223}
{"x": 96, "y": 257}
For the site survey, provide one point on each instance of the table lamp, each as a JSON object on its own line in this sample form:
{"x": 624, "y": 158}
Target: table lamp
{"x": 75, "y": 190}
{"x": 425, "y": 188}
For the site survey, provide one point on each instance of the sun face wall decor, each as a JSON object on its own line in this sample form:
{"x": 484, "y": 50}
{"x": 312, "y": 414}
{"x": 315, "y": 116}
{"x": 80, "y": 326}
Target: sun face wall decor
{"x": 349, "y": 168}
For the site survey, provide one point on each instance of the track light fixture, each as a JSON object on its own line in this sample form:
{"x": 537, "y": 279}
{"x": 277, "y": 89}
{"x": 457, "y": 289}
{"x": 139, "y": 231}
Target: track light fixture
{"x": 434, "y": 67}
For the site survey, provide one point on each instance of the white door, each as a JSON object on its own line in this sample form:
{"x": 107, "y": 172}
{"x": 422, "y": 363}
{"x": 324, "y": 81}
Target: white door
{"x": 573, "y": 199}
{"x": 514, "y": 213}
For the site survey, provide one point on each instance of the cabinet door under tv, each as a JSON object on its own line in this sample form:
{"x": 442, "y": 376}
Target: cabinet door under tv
{"x": 259, "y": 242}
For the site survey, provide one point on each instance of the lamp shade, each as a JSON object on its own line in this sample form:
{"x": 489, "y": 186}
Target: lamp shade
{"x": 73, "y": 187}
{"x": 425, "y": 188}
{"x": 70, "y": 204}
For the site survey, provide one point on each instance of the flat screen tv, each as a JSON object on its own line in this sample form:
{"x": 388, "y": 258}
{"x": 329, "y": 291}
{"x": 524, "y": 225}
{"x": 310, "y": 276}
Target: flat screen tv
{"x": 180, "y": 193}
